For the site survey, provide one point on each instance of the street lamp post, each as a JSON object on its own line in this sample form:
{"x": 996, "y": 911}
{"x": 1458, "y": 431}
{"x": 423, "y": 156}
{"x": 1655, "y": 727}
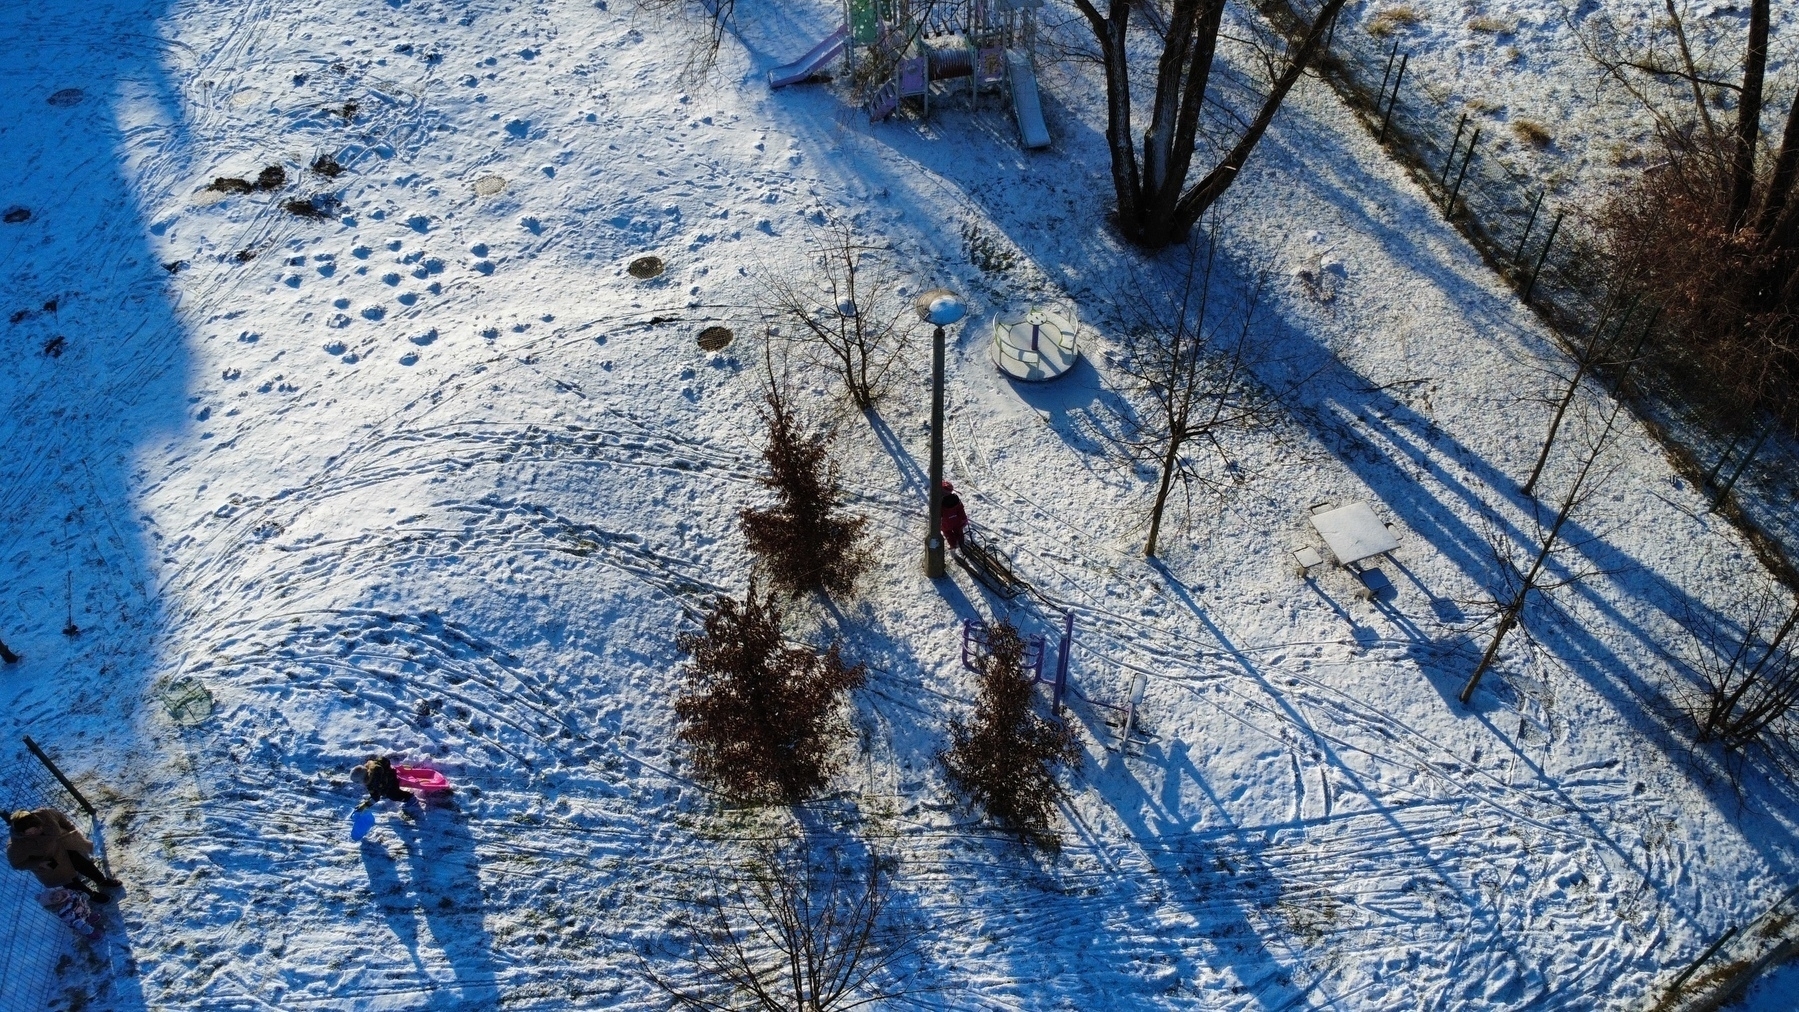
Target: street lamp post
{"x": 939, "y": 307}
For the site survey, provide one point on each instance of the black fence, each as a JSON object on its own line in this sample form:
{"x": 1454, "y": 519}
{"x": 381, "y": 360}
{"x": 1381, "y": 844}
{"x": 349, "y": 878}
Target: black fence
{"x": 1545, "y": 249}
{"x": 36, "y": 949}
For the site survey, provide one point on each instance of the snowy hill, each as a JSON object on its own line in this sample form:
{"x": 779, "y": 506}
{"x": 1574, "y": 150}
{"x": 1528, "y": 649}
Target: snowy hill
{"x": 429, "y": 472}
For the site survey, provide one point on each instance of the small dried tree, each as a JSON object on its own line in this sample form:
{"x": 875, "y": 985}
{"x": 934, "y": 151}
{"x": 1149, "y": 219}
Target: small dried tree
{"x": 1535, "y": 577}
{"x": 806, "y": 541}
{"x": 1191, "y": 361}
{"x": 795, "y": 935}
{"x": 846, "y": 313}
{"x": 1751, "y": 673}
{"x": 760, "y": 715}
{"x": 1007, "y": 759}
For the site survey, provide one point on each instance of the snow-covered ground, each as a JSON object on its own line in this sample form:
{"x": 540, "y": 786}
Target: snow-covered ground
{"x": 1531, "y": 74}
{"x": 434, "y": 475}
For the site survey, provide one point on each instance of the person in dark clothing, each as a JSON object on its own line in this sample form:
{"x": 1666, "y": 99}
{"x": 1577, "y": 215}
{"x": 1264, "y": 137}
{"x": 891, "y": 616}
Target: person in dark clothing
{"x": 49, "y": 846}
{"x": 383, "y": 783}
{"x": 955, "y": 518}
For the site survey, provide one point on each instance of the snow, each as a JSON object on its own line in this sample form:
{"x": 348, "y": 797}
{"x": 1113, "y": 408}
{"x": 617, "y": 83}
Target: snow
{"x": 1520, "y": 66}
{"x": 437, "y": 477}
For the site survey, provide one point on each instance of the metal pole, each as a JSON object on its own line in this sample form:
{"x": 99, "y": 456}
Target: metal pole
{"x": 1062, "y": 660}
{"x": 77, "y": 795}
{"x": 1518, "y": 254}
{"x": 1742, "y": 465}
{"x": 933, "y": 542}
{"x": 1443, "y": 177}
{"x": 1469, "y": 157}
{"x": 1637, "y": 353}
{"x": 1385, "y": 76}
{"x": 1397, "y": 79}
{"x": 1531, "y": 285}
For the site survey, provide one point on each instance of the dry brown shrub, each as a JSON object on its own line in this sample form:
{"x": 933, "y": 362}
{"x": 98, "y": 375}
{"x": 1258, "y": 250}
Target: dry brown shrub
{"x": 1730, "y": 300}
{"x": 1392, "y": 19}
{"x": 806, "y": 541}
{"x": 1006, "y": 760}
{"x": 1533, "y": 133}
{"x": 760, "y": 715}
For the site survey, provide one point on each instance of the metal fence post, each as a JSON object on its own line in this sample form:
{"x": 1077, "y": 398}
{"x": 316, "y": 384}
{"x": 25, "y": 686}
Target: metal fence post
{"x": 1443, "y": 177}
{"x": 1397, "y": 79}
{"x": 1518, "y": 254}
{"x": 1386, "y": 75}
{"x": 80, "y": 799}
{"x": 1531, "y": 285}
{"x": 1449, "y": 209}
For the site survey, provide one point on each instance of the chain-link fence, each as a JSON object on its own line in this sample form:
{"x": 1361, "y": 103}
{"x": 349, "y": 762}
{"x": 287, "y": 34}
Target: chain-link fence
{"x": 1548, "y": 253}
{"x": 37, "y": 951}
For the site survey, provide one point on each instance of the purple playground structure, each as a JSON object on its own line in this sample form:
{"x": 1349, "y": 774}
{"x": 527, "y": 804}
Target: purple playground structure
{"x": 989, "y": 42}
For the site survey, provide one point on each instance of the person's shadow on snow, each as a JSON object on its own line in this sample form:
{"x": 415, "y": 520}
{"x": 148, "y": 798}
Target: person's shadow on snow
{"x": 446, "y": 872}
{"x": 391, "y": 896}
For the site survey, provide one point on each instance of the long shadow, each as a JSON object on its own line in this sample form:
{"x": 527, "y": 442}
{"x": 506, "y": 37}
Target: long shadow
{"x": 447, "y": 875}
{"x": 97, "y": 376}
{"x": 398, "y": 908}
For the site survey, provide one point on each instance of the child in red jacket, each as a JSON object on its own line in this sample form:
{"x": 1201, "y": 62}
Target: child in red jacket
{"x": 955, "y": 518}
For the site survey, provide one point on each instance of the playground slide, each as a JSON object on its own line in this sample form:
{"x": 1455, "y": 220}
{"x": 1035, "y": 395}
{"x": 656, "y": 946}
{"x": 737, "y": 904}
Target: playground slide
{"x": 812, "y": 62}
{"x": 1026, "y": 107}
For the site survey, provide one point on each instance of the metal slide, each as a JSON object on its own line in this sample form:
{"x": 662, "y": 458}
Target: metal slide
{"x": 1026, "y": 107}
{"x": 814, "y": 61}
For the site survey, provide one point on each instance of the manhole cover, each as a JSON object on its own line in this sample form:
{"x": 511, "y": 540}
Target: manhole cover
{"x": 644, "y": 268}
{"x": 487, "y": 186}
{"x": 715, "y": 338}
{"x": 67, "y": 97}
{"x": 187, "y": 701}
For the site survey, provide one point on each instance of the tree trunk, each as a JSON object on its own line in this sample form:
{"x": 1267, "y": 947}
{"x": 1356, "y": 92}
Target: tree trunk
{"x": 1156, "y": 208}
{"x": 1786, "y": 163}
{"x": 1170, "y": 461}
{"x": 1749, "y": 115}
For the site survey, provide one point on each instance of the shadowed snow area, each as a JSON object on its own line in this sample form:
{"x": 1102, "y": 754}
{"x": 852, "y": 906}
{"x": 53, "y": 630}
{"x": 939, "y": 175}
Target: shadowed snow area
{"x": 425, "y": 471}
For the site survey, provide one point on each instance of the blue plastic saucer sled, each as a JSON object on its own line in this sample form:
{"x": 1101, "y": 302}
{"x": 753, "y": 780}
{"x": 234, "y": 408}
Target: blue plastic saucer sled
{"x": 361, "y": 823}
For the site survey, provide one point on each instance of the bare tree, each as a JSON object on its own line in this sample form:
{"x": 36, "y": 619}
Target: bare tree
{"x": 1592, "y": 352}
{"x": 846, "y": 311}
{"x": 806, "y": 541}
{"x": 1156, "y": 206}
{"x": 714, "y": 19}
{"x": 1190, "y": 359}
{"x": 761, "y": 716}
{"x": 1750, "y": 672}
{"x": 1007, "y": 759}
{"x": 795, "y": 935}
{"x": 1535, "y": 577}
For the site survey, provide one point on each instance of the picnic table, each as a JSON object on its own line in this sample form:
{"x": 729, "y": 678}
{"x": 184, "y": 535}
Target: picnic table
{"x": 1354, "y": 533}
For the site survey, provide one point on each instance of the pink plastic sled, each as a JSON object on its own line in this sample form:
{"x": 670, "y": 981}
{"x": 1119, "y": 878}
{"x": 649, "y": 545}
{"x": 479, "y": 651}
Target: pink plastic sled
{"x": 421, "y": 778}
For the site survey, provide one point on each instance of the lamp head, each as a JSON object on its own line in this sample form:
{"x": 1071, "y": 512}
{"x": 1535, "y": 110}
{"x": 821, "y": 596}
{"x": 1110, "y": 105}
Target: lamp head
{"x": 940, "y": 307}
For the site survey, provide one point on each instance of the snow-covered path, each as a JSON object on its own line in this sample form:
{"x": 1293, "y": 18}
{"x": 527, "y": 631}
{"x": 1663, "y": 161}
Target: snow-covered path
{"x": 433, "y": 474}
